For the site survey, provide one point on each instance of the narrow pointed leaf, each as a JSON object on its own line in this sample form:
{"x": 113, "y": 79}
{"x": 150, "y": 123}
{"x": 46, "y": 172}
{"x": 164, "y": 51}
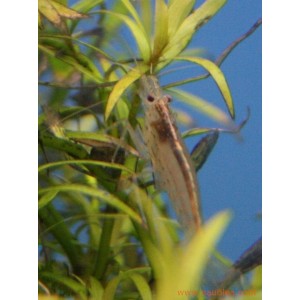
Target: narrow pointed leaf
{"x": 161, "y": 27}
{"x": 142, "y": 286}
{"x": 96, "y": 289}
{"x": 66, "y": 282}
{"x": 133, "y": 13}
{"x": 146, "y": 16}
{"x": 204, "y": 107}
{"x": 86, "y": 6}
{"x": 84, "y": 65}
{"x": 178, "y": 11}
{"x": 191, "y": 260}
{"x": 186, "y": 30}
{"x": 64, "y": 37}
{"x": 55, "y": 12}
{"x": 120, "y": 87}
{"x": 67, "y": 12}
{"x": 196, "y": 131}
{"x": 46, "y": 198}
{"x": 49, "y": 12}
{"x": 199, "y": 249}
{"x": 103, "y": 195}
{"x": 139, "y": 34}
{"x": 85, "y": 162}
{"x": 218, "y": 77}
{"x": 96, "y": 139}
{"x": 203, "y": 148}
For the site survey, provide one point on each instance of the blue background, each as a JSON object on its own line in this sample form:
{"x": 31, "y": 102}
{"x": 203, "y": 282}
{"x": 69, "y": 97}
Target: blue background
{"x": 232, "y": 176}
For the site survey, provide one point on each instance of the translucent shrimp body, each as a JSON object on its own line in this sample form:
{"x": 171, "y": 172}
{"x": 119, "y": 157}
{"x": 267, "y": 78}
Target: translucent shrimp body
{"x": 172, "y": 165}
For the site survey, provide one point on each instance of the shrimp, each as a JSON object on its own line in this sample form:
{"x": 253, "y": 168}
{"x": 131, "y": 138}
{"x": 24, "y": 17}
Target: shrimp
{"x": 171, "y": 162}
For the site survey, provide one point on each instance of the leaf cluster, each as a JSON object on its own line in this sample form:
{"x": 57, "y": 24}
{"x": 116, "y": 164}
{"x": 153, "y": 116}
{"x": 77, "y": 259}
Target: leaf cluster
{"x": 104, "y": 230}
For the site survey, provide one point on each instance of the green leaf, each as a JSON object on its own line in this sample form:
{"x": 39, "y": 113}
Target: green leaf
{"x": 80, "y": 63}
{"x": 183, "y": 35}
{"x": 122, "y": 109}
{"x": 191, "y": 260}
{"x": 60, "y": 144}
{"x": 40, "y": 21}
{"x": 85, "y": 162}
{"x": 196, "y": 131}
{"x": 66, "y": 37}
{"x": 257, "y": 277}
{"x": 111, "y": 288}
{"x": 146, "y": 16}
{"x": 121, "y": 86}
{"x": 155, "y": 238}
{"x": 142, "y": 286}
{"x": 86, "y": 6}
{"x": 67, "y": 12}
{"x": 55, "y": 12}
{"x": 134, "y": 14}
{"x": 203, "y": 148}
{"x": 178, "y": 11}
{"x": 138, "y": 32}
{"x": 161, "y": 28}
{"x": 45, "y": 199}
{"x": 204, "y": 107}
{"x": 199, "y": 249}
{"x": 95, "y": 139}
{"x": 54, "y": 222}
{"x": 103, "y": 195}
{"x": 218, "y": 77}
{"x": 96, "y": 289}
{"x": 49, "y": 12}
{"x": 64, "y": 281}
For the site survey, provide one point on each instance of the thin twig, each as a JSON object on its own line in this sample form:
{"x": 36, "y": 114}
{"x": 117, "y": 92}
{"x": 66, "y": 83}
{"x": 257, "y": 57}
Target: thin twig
{"x": 221, "y": 58}
{"x": 90, "y": 86}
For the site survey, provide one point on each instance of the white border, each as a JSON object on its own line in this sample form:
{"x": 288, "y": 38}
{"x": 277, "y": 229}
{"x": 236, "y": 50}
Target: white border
{"x": 281, "y": 150}
{"x": 18, "y": 154}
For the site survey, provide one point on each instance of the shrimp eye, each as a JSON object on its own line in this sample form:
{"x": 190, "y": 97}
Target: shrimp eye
{"x": 150, "y": 98}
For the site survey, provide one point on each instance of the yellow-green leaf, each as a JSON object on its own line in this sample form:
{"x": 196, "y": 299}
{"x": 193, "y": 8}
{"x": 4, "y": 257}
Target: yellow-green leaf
{"x": 142, "y": 286}
{"x": 84, "y": 162}
{"x": 133, "y": 13}
{"x": 96, "y": 139}
{"x": 79, "y": 62}
{"x": 138, "y": 32}
{"x": 65, "y": 281}
{"x": 49, "y": 12}
{"x": 48, "y": 37}
{"x": 67, "y": 12}
{"x": 218, "y": 77}
{"x": 111, "y": 288}
{"x": 190, "y": 260}
{"x": 146, "y": 16}
{"x": 103, "y": 195}
{"x": 161, "y": 27}
{"x": 180, "y": 39}
{"x": 95, "y": 288}
{"x": 121, "y": 86}
{"x": 178, "y": 11}
{"x": 46, "y": 198}
{"x": 40, "y": 21}
{"x": 87, "y": 5}
{"x": 55, "y": 12}
{"x": 198, "y": 251}
{"x": 204, "y": 107}
{"x": 196, "y": 131}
